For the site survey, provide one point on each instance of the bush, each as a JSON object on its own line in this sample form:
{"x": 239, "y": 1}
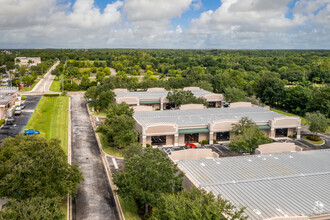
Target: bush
{"x": 2, "y": 121}
{"x": 215, "y": 141}
{"x": 313, "y": 138}
{"x": 204, "y": 142}
{"x": 149, "y": 146}
{"x": 23, "y": 97}
{"x": 293, "y": 136}
{"x": 51, "y": 95}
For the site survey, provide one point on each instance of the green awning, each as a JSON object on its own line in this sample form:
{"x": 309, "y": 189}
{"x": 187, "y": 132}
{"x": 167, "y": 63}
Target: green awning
{"x": 264, "y": 127}
{"x": 149, "y": 102}
{"x": 194, "y": 131}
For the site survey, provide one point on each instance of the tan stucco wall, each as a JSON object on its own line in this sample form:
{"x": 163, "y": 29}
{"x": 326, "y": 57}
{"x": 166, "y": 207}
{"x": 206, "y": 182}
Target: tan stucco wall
{"x": 277, "y": 147}
{"x": 240, "y": 104}
{"x": 193, "y": 154}
{"x": 120, "y": 90}
{"x": 170, "y": 140}
{"x": 160, "y": 129}
{"x": 142, "y": 108}
{"x": 266, "y": 132}
{"x": 156, "y": 106}
{"x": 203, "y": 136}
{"x": 128, "y": 100}
{"x": 291, "y": 131}
{"x": 286, "y": 122}
{"x": 181, "y": 140}
{"x": 191, "y": 106}
{"x": 3, "y": 112}
{"x": 156, "y": 89}
{"x": 191, "y": 88}
{"x": 222, "y": 125}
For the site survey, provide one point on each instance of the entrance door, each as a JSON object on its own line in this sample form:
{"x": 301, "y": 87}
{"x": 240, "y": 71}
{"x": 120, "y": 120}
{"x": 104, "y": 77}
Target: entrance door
{"x": 282, "y": 132}
{"x": 191, "y": 138}
{"x": 212, "y": 104}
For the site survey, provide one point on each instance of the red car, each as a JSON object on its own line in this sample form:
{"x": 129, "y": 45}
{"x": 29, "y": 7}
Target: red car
{"x": 189, "y": 146}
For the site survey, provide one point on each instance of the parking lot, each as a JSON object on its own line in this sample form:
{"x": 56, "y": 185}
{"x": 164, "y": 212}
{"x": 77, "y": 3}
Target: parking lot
{"x": 21, "y": 120}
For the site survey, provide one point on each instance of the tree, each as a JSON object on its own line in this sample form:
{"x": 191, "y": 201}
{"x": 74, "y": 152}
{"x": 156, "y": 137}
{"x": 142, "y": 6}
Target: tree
{"x": 247, "y": 136}
{"x": 105, "y": 98}
{"x": 92, "y": 92}
{"x": 317, "y": 122}
{"x": 36, "y": 208}
{"x": 179, "y": 97}
{"x": 233, "y": 94}
{"x": 196, "y": 204}
{"x": 33, "y": 166}
{"x": 118, "y": 127}
{"x": 146, "y": 177}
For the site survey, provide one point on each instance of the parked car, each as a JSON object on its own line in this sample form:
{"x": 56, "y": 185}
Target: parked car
{"x": 22, "y": 106}
{"x": 6, "y": 127}
{"x": 226, "y": 105}
{"x": 190, "y": 146}
{"x": 18, "y": 111}
{"x": 10, "y": 121}
{"x": 31, "y": 132}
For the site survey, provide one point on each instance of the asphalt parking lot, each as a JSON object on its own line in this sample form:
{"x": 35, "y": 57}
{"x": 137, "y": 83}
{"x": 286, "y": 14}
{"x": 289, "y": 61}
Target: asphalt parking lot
{"x": 21, "y": 120}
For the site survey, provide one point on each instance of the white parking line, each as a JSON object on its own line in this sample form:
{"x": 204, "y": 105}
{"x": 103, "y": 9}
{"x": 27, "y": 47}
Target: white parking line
{"x": 115, "y": 163}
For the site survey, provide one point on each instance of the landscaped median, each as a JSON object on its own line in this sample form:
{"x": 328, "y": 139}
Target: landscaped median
{"x": 51, "y": 118}
{"x": 314, "y": 140}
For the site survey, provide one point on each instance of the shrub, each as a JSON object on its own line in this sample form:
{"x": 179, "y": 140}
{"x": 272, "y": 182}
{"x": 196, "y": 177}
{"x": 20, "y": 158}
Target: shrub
{"x": 204, "y": 142}
{"x": 149, "y": 146}
{"x": 2, "y": 121}
{"x": 293, "y": 136}
{"x": 313, "y": 138}
{"x": 23, "y": 97}
{"x": 215, "y": 141}
{"x": 51, "y": 95}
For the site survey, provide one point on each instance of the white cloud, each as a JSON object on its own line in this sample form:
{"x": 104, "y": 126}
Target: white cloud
{"x": 147, "y": 24}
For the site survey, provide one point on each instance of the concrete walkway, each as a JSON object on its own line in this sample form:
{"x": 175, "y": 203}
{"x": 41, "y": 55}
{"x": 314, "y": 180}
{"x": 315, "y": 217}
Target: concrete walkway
{"x": 94, "y": 199}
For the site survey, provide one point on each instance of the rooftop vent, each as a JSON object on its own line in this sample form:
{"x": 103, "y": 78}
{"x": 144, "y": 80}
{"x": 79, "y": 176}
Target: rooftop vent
{"x": 257, "y": 211}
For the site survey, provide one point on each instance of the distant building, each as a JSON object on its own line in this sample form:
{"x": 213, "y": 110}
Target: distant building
{"x": 27, "y": 61}
{"x": 177, "y": 127}
{"x": 8, "y": 97}
{"x": 282, "y": 186}
{"x": 156, "y": 97}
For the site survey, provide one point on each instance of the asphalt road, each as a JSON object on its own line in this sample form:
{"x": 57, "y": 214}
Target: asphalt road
{"x": 44, "y": 84}
{"x": 22, "y": 120}
{"x": 94, "y": 199}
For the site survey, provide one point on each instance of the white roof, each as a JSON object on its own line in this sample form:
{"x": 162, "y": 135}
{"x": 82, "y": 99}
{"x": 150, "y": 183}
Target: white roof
{"x": 273, "y": 185}
{"x": 201, "y": 117}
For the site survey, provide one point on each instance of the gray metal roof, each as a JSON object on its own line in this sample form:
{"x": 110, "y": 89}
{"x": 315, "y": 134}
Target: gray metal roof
{"x": 156, "y": 95}
{"x": 201, "y": 117}
{"x": 273, "y": 185}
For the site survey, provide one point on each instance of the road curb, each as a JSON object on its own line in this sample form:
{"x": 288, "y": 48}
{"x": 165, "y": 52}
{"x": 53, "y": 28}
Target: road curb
{"x": 106, "y": 166}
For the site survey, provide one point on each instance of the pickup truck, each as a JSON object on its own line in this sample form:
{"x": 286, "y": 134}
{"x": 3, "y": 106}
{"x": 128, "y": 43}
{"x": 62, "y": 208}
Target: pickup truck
{"x": 31, "y": 132}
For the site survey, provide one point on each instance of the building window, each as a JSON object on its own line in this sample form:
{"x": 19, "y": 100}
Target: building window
{"x": 212, "y": 104}
{"x": 158, "y": 140}
{"x": 222, "y": 136}
{"x": 191, "y": 138}
{"x": 282, "y": 132}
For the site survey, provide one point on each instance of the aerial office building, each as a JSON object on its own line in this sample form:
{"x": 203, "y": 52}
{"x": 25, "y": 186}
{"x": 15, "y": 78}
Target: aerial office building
{"x": 177, "y": 127}
{"x": 156, "y": 97}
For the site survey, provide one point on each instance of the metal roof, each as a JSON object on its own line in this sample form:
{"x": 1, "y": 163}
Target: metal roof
{"x": 273, "y": 185}
{"x": 202, "y": 117}
{"x": 157, "y": 95}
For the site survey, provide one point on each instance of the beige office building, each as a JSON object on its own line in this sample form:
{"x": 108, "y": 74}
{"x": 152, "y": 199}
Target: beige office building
{"x": 27, "y": 61}
{"x": 156, "y": 97}
{"x": 177, "y": 127}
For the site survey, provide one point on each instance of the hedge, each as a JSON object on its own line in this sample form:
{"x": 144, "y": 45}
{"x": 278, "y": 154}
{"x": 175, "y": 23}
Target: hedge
{"x": 52, "y": 95}
{"x": 2, "y": 121}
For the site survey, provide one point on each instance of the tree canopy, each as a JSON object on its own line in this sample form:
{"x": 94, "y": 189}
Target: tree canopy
{"x": 180, "y": 97}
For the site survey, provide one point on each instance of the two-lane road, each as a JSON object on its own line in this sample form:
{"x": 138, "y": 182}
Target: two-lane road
{"x": 44, "y": 84}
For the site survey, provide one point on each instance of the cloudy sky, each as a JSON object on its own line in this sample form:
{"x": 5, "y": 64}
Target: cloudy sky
{"x": 255, "y": 24}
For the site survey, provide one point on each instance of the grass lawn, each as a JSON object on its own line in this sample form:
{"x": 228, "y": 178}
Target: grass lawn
{"x": 51, "y": 118}
{"x": 113, "y": 151}
{"x": 26, "y": 89}
{"x": 129, "y": 209}
{"x": 313, "y": 142}
{"x": 56, "y": 85}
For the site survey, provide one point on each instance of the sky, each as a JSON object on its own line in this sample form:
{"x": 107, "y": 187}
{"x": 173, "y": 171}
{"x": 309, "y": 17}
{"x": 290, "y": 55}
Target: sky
{"x": 225, "y": 24}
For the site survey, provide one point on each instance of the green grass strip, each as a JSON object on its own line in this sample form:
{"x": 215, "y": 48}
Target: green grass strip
{"x": 51, "y": 118}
